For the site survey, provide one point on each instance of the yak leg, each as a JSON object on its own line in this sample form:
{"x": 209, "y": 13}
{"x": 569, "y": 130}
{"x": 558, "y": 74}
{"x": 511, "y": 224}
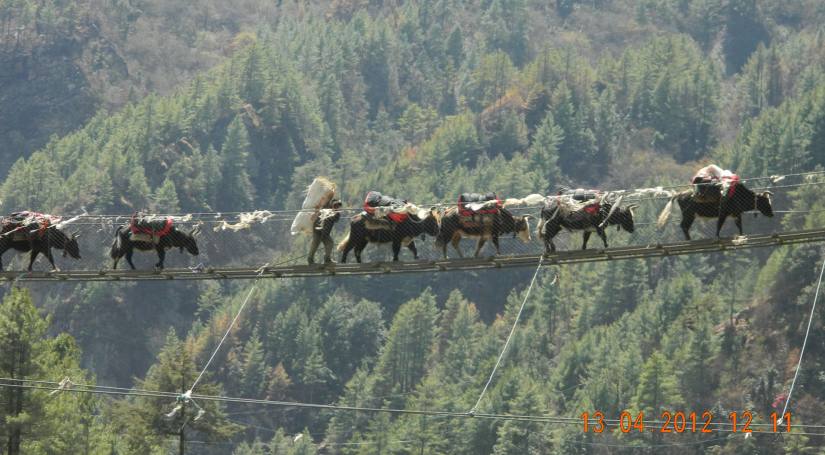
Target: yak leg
{"x": 358, "y": 249}
{"x": 738, "y": 221}
{"x": 479, "y": 245}
{"x": 719, "y": 223}
{"x": 455, "y": 242}
{"x": 3, "y": 249}
{"x": 346, "y": 251}
{"x": 129, "y": 252}
{"x": 687, "y": 222}
{"x": 114, "y": 264}
{"x": 550, "y": 231}
{"x": 601, "y": 233}
{"x": 396, "y": 249}
{"x": 32, "y": 257}
{"x": 48, "y": 254}
{"x": 412, "y": 248}
{"x": 495, "y": 243}
{"x": 161, "y": 256}
{"x": 585, "y": 238}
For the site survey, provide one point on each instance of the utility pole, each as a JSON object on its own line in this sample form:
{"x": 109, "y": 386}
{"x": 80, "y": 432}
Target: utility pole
{"x": 181, "y": 435}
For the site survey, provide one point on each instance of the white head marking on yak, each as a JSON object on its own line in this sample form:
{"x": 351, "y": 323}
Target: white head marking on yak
{"x": 524, "y": 231}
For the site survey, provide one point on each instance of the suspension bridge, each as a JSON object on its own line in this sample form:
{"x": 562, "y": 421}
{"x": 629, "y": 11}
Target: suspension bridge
{"x": 231, "y": 248}
{"x": 225, "y": 254}
{"x": 445, "y": 265}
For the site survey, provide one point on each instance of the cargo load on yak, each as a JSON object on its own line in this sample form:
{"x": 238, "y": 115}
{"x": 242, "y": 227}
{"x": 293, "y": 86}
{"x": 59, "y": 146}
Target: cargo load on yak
{"x": 149, "y": 228}
{"x": 380, "y": 206}
{"x": 26, "y": 224}
{"x": 477, "y": 209}
{"x": 319, "y": 194}
{"x": 588, "y": 200}
{"x": 711, "y": 182}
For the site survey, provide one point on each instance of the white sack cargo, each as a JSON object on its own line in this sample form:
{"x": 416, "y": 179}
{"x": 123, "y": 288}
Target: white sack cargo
{"x": 319, "y": 193}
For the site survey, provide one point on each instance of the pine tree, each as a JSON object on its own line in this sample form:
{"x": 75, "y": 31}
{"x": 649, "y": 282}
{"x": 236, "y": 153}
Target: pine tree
{"x": 744, "y": 30}
{"x": 21, "y": 330}
{"x": 254, "y": 367}
{"x": 32, "y": 421}
{"x": 409, "y": 341}
{"x": 455, "y": 46}
{"x": 150, "y": 421}
{"x": 236, "y": 190}
{"x": 658, "y": 388}
{"x": 505, "y": 28}
{"x": 544, "y": 152}
{"x": 138, "y": 191}
{"x": 165, "y": 199}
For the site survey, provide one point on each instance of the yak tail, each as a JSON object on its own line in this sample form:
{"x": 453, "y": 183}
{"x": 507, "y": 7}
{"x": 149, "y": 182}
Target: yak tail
{"x": 665, "y": 213}
{"x": 343, "y": 244}
{"x": 116, "y": 244}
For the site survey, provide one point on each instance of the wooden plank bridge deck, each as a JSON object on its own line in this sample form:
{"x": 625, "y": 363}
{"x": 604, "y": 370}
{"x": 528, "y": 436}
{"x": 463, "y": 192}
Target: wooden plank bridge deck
{"x": 457, "y": 264}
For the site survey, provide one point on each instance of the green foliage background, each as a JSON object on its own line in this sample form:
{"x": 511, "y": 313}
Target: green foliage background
{"x": 199, "y": 106}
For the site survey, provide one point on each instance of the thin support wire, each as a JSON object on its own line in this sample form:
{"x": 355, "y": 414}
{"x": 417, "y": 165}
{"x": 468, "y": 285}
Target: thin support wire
{"x": 509, "y": 337}
{"x": 78, "y": 388}
{"x": 804, "y": 343}
{"x": 228, "y": 329}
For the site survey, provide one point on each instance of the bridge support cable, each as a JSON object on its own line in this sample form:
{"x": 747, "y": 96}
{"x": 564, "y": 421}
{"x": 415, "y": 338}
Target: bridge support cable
{"x": 804, "y": 344}
{"x": 474, "y": 409}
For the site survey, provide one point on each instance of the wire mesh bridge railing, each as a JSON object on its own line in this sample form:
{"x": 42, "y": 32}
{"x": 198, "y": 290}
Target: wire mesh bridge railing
{"x": 264, "y": 246}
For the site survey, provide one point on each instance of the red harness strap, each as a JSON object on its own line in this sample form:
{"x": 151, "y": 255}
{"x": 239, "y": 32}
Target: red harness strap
{"x": 592, "y": 209}
{"x": 734, "y": 181}
{"x": 44, "y": 221}
{"x": 393, "y": 216}
{"x": 398, "y": 217}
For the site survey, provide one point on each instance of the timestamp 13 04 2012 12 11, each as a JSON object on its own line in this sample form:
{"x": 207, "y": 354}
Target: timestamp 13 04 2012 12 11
{"x": 686, "y": 422}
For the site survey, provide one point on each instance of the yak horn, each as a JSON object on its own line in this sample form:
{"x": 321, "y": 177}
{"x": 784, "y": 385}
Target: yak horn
{"x": 76, "y": 234}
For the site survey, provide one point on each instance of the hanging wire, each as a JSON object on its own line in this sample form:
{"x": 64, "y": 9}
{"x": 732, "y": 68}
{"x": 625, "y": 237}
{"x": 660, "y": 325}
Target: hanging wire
{"x": 804, "y": 344}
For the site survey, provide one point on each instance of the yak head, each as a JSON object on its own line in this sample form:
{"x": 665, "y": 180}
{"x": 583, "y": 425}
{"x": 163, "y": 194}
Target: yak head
{"x": 70, "y": 245}
{"x": 430, "y": 221}
{"x": 190, "y": 243}
{"x": 521, "y": 228}
{"x": 763, "y": 203}
{"x": 180, "y": 239}
{"x": 623, "y": 218}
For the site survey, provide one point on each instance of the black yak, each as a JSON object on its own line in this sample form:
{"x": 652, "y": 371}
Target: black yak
{"x": 591, "y": 218}
{"x": 398, "y": 234}
{"x": 738, "y": 201}
{"x": 160, "y": 235}
{"x": 37, "y": 237}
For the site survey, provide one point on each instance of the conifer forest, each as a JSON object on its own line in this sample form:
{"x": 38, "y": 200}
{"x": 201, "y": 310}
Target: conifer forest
{"x": 226, "y": 112}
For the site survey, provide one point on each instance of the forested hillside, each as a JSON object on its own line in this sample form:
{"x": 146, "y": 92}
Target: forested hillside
{"x": 180, "y": 107}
